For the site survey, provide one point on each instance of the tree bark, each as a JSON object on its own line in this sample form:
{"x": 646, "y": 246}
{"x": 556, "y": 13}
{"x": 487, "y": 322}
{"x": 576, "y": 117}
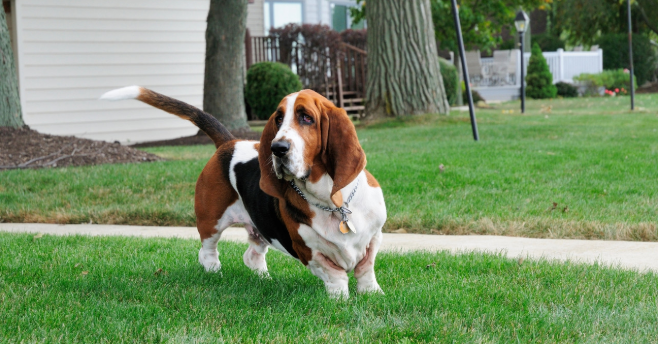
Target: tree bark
{"x": 404, "y": 75}
{"x": 10, "y": 104}
{"x": 223, "y": 87}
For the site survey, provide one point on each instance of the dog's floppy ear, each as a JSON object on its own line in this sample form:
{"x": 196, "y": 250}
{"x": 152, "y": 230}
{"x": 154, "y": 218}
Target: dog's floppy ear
{"x": 269, "y": 183}
{"x": 342, "y": 154}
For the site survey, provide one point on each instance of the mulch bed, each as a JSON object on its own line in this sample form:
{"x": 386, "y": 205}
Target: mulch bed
{"x": 650, "y": 89}
{"x": 199, "y": 139}
{"x": 22, "y": 148}
{"x": 25, "y": 148}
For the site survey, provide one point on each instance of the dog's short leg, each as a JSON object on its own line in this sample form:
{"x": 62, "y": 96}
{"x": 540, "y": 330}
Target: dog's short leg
{"x": 254, "y": 257}
{"x": 208, "y": 255}
{"x": 335, "y": 278}
{"x": 364, "y": 272}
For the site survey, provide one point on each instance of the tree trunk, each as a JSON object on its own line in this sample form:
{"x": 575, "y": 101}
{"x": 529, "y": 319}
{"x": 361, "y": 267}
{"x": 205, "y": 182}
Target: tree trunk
{"x": 10, "y": 104}
{"x": 223, "y": 87}
{"x": 403, "y": 67}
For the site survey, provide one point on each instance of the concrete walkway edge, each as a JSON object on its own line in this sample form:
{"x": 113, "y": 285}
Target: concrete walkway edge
{"x": 640, "y": 256}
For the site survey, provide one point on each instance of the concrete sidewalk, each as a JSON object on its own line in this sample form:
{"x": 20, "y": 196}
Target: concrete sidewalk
{"x": 641, "y": 256}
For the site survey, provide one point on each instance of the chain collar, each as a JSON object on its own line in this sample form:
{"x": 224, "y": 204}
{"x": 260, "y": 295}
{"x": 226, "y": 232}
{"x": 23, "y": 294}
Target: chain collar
{"x": 344, "y": 210}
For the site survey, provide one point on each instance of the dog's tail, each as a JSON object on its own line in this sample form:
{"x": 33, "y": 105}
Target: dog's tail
{"x": 204, "y": 121}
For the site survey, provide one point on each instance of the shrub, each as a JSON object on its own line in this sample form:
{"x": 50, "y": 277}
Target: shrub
{"x": 539, "y": 78}
{"x": 618, "y": 79}
{"x": 450, "y": 80}
{"x": 476, "y": 95}
{"x": 548, "y": 42}
{"x": 615, "y": 54}
{"x": 357, "y": 38}
{"x": 566, "y": 90}
{"x": 267, "y": 84}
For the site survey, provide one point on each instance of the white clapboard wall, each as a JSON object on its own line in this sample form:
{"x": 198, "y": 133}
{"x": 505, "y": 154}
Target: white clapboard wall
{"x": 72, "y": 51}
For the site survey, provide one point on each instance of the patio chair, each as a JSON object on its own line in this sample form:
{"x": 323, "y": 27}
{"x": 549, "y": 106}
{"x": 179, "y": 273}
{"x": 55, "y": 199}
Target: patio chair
{"x": 512, "y": 64}
{"x": 594, "y": 48}
{"x": 578, "y": 48}
{"x": 501, "y": 67}
{"x": 474, "y": 65}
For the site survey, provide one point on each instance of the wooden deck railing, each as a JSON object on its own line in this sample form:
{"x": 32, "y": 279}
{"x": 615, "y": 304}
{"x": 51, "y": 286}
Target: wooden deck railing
{"x": 338, "y": 74}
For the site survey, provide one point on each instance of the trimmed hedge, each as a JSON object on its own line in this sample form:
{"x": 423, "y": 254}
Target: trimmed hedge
{"x": 539, "y": 78}
{"x": 267, "y": 84}
{"x": 615, "y": 54}
{"x": 566, "y": 90}
{"x": 450, "y": 80}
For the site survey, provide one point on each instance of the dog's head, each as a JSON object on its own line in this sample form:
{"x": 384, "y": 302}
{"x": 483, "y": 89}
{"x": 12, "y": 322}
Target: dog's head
{"x": 305, "y": 138}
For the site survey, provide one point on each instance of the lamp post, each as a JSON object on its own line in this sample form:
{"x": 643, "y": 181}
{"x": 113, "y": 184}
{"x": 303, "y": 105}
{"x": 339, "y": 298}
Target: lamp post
{"x": 630, "y": 54}
{"x": 462, "y": 56}
{"x": 521, "y": 23}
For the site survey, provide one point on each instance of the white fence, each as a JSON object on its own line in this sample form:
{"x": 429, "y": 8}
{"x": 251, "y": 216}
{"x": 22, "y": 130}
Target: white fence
{"x": 564, "y": 65}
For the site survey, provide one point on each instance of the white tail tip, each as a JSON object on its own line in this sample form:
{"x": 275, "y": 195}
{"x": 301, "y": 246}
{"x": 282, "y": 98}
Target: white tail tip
{"x": 130, "y": 92}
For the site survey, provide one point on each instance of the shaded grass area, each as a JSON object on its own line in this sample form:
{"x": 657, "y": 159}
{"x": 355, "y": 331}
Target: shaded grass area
{"x": 569, "y": 168}
{"x": 111, "y": 289}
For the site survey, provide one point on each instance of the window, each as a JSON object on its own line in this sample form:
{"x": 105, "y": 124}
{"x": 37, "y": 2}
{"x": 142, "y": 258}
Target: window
{"x": 280, "y": 13}
{"x": 341, "y": 19}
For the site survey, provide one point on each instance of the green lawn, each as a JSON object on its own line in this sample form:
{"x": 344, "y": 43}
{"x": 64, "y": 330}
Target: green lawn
{"x": 111, "y": 290}
{"x": 591, "y": 156}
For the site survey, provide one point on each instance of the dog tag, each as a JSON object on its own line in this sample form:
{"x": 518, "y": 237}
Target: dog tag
{"x": 350, "y": 225}
{"x": 344, "y": 227}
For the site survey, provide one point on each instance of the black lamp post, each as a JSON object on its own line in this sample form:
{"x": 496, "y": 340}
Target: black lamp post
{"x": 462, "y": 56}
{"x": 630, "y": 54}
{"x": 521, "y": 23}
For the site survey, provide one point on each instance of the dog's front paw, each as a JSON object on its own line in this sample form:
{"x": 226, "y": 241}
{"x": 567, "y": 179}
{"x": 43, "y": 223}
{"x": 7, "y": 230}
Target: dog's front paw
{"x": 209, "y": 260}
{"x": 338, "y": 293}
{"x": 369, "y": 288}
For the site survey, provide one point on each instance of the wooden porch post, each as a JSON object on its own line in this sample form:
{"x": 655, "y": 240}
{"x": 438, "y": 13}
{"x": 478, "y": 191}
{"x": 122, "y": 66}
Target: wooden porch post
{"x": 247, "y": 48}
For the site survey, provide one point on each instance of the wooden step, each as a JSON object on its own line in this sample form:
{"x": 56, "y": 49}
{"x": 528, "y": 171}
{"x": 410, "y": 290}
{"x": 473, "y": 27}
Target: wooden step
{"x": 345, "y": 93}
{"x": 354, "y": 108}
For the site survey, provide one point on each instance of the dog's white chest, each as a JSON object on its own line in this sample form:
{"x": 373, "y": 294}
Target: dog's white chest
{"x": 347, "y": 249}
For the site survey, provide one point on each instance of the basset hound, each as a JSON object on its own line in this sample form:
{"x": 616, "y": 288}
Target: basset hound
{"x": 302, "y": 189}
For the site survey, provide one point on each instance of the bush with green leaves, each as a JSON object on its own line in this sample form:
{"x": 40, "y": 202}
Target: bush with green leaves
{"x": 450, "y": 80}
{"x": 615, "y": 54}
{"x": 609, "y": 79}
{"x": 267, "y": 84}
{"x": 539, "y": 79}
{"x": 566, "y": 90}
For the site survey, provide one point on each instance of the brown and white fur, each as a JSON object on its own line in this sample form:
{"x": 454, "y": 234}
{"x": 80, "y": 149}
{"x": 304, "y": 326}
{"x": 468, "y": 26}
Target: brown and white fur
{"x": 244, "y": 182}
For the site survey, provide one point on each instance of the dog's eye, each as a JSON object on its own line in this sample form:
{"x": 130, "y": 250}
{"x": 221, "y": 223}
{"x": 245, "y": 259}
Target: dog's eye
{"x": 278, "y": 120}
{"x": 307, "y": 119}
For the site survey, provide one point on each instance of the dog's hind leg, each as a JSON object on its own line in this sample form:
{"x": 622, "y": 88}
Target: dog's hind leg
{"x": 216, "y": 206}
{"x": 208, "y": 254}
{"x": 254, "y": 257}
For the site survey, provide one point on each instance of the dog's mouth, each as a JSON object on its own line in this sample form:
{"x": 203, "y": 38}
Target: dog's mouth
{"x": 283, "y": 170}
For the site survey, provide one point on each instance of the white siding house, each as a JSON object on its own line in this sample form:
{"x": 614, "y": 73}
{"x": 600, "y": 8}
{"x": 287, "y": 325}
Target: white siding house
{"x": 69, "y": 52}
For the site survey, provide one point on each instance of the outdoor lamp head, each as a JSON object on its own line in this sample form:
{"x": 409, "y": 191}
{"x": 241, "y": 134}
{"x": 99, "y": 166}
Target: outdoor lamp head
{"x": 521, "y": 21}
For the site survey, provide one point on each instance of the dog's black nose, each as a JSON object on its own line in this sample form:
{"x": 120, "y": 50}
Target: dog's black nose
{"x": 280, "y": 148}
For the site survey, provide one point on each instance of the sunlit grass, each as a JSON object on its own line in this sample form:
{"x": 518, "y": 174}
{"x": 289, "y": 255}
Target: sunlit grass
{"x": 593, "y": 157}
{"x": 113, "y": 289}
